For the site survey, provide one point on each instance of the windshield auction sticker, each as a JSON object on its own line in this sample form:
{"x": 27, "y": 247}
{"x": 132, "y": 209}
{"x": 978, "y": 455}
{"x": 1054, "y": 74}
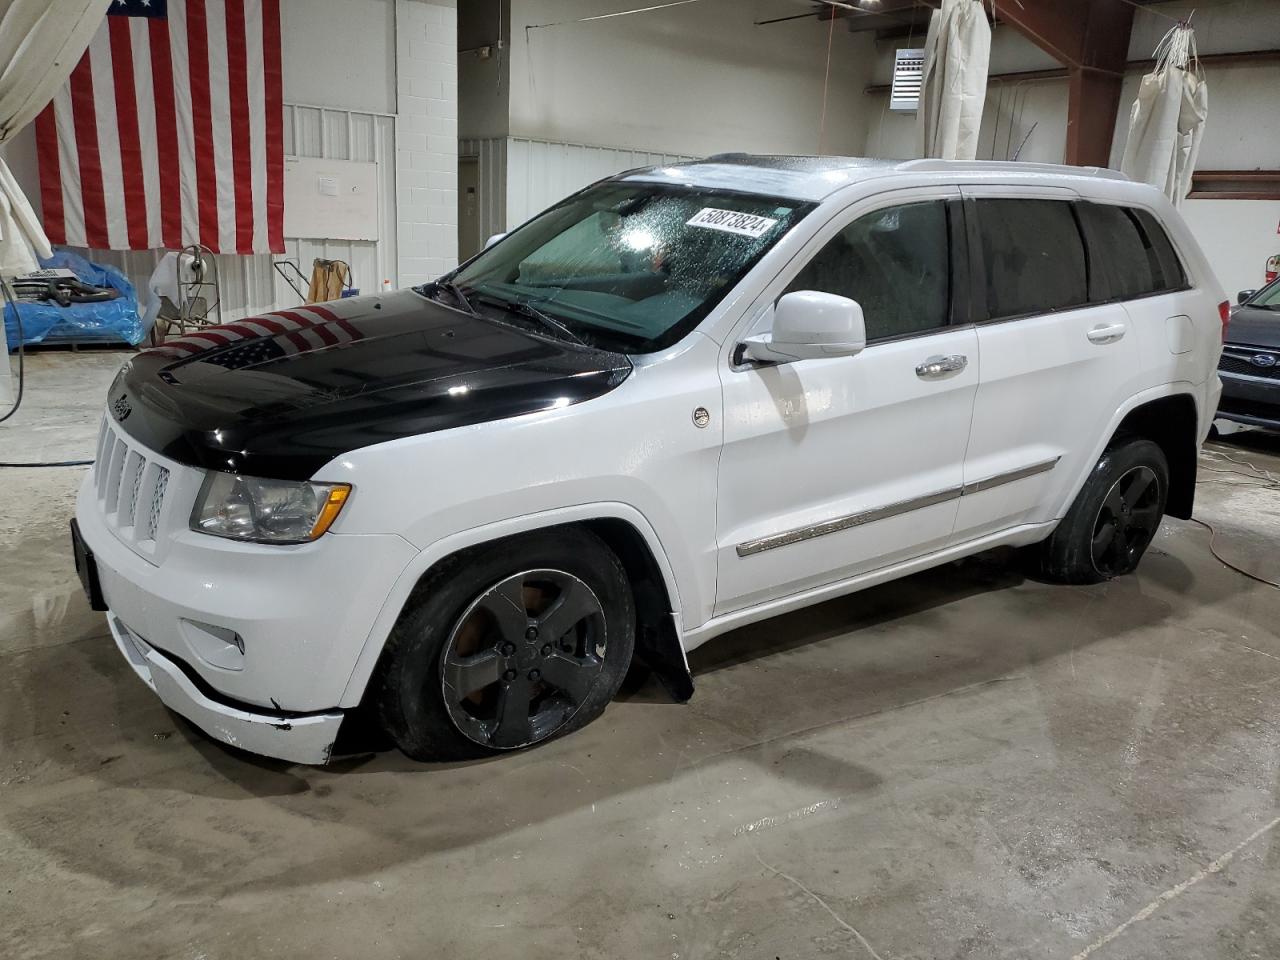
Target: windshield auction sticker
{"x": 731, "y": 221}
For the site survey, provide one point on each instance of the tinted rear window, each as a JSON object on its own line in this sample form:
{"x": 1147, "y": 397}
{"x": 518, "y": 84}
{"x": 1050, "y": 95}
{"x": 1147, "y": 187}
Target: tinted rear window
{"x": 1166, "y": 266}
{"x": 1120, "y": 260}
{"x": 1034, "y": 256}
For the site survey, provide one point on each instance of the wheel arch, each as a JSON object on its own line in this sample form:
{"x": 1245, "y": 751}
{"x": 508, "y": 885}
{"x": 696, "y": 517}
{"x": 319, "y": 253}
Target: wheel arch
{"x": 624, "y": 529}
{"x": 1172, "y": 423}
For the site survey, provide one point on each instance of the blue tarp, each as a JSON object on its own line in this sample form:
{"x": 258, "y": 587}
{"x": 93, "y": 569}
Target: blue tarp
{"x": 44, "y": 321}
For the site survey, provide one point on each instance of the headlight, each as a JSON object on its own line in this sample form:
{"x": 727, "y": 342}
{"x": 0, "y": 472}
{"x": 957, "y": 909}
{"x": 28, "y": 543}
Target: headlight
{"x": 266, "y": 511}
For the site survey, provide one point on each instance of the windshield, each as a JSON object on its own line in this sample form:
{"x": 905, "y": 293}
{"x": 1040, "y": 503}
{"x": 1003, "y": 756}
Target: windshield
{"x": 631, "y": 267}
{"x": 1268, "y": 297}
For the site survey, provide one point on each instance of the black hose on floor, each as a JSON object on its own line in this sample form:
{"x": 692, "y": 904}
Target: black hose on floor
{"x": 17, "y": 318}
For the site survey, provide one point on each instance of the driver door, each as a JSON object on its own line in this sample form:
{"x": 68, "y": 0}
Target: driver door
{"x": 836, "y": 467}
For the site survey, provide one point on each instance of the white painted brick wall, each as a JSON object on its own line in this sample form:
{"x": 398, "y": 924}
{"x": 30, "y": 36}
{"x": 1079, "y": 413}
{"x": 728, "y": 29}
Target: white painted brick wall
{"x": 426, "y": 138}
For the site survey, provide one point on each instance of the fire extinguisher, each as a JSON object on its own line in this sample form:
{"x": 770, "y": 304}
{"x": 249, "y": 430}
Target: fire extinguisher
{"x": 1273, "y": 268}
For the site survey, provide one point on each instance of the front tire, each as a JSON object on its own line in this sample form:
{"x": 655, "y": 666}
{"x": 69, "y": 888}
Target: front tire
{"x": 1112, "y": 520}
{"x": 506, "y": 646}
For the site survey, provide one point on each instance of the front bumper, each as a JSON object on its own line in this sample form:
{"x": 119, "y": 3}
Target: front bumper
{"x": 245, "y": 639}
{"x": 299, "y": 739}
{"x": 1251, "y": 400}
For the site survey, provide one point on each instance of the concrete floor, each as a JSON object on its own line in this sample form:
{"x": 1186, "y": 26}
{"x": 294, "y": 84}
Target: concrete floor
{"x": 961, "y": 764}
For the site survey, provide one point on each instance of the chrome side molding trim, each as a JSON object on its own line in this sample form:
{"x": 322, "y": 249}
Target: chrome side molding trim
{"x": 977, "y": 486}
{"x": 799, "y": 535}
{"x": 752, "y": 547}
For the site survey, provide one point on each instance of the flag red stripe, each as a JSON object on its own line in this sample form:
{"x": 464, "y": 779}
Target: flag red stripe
{"x": 179, "y": 344}
{"x": 242, "y": 162}
{"x": 55, "y": 226}
{"x": 271, "y": 325}
{"x": 275, "y": 124}
{"x": 324, "y": 313}
{"x": 135, "y": 193}
{"x": 278, "y": 329}
{"x": 170, "y": 198}
{"x": 240, "y": 330}
{"x": 217, "y": 338}
{"x": 318, "y": 329}
{"x": 292, "y": 317}
{"x": 297, "y": 339}
{"x": 332, "y": 317}
{"x": 202, "y": 123}
{"x": 86, "y": 120}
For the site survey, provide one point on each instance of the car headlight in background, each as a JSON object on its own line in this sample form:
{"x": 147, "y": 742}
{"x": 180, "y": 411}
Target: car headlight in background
{"x": 266, "y": 511}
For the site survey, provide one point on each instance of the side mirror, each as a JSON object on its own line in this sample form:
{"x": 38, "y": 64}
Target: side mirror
{"x": 808, "y": 325}
{"x": 494, "y": 239}
{"x": 1244, "y": 295}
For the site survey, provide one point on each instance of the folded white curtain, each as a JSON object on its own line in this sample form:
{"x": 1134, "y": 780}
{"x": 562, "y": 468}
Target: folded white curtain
{"x": 957, "y": 53}
{"x": 41, "y": 41}
{"x": 1167, "y": 121}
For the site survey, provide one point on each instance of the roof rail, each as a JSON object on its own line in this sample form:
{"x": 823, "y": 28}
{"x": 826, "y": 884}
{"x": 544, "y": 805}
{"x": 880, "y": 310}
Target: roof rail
{"x": 1009, "y": 166}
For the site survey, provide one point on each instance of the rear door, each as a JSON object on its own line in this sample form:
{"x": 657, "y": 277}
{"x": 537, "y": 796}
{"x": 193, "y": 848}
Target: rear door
{"x": 1056, "y": 364}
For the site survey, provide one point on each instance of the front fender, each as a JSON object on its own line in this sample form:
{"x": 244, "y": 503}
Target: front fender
{"x": 393, "y": 605}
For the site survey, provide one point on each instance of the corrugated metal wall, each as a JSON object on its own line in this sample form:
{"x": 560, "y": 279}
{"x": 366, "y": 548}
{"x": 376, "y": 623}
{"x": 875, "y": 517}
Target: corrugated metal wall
{"x": 250, "y": 285}
{"x": 542, "y": 172}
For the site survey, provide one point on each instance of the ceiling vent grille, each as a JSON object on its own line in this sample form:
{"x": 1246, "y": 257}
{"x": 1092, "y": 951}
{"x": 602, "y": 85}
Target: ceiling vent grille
{"x": 908, "y": 73}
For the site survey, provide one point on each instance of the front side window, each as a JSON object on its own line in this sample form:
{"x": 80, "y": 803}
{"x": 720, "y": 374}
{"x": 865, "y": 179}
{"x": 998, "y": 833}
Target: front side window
{"x": 1034, "y": 256}
{"x": 628, "y": 266}
{"x": 894, "y": 262}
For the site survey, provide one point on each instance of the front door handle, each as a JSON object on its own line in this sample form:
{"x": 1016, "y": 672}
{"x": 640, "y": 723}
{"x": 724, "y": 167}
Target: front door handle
{"x": 935, "y": 368}
{"x": 1106, "y": 333}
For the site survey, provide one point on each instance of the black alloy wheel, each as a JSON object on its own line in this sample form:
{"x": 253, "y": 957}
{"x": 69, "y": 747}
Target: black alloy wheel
{"x": 1113, "y": 519}
{"x": 1126, "y": 522}
{"x": 506, "y": 645}
{"x": 523, "y": 658}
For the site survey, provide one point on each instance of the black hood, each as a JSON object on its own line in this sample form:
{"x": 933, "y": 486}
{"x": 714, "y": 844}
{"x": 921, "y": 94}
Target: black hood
{"x": 282, "y": 394}
{"x": 1254, "y": 327}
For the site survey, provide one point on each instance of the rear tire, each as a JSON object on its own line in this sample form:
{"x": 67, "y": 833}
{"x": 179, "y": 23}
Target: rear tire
{"x": 507, "y": 646}
{"x": 1112, "y": 520}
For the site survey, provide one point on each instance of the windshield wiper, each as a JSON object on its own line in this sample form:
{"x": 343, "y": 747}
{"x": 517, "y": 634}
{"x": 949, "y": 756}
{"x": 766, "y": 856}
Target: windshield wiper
{"x": 524, "y": 308}
{"x": 456, "y": 291}
{"x": 527, "y": 309}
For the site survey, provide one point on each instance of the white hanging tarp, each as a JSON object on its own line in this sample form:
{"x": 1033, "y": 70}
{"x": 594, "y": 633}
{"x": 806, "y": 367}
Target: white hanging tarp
{"x": 954, "y": 86}
{"x": 41, "y": 41}
{"x": 1167, "y": 121}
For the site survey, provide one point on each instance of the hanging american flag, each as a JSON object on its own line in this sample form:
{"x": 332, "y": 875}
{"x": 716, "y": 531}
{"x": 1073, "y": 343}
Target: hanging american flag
{"x": 170, "y": 131}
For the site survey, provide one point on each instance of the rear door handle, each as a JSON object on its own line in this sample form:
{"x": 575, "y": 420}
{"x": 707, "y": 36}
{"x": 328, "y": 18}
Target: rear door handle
{"x": 1107, "y": 333}
{"x": 935, "y": 368}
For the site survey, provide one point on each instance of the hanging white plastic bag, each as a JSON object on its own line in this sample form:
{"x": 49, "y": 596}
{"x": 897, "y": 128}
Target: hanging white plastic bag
{"x": 1166, "y": 124}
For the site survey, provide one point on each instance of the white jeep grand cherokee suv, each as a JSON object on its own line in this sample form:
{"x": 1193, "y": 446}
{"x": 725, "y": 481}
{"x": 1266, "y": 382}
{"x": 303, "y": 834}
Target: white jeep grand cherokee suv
{"x": 682, "y": 400}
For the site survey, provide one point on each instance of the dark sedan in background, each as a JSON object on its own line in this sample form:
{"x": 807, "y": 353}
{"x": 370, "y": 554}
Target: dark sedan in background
{"x": 1250, "y": 365}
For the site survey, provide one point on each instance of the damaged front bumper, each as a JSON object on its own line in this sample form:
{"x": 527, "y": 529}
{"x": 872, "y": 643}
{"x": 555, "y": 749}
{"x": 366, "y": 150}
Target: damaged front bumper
{"x": 306, "y": 738}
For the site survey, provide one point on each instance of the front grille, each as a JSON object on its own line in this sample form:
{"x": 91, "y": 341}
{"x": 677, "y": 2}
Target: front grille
{"x": 1238, "y": 360}
{"x": 132, "y": 488}
{"x": 157, "y": 500}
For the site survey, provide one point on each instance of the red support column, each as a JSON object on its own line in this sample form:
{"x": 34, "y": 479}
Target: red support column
{"x": 1091, "y": 39}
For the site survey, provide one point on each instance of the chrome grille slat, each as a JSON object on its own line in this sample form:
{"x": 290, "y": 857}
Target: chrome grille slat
{"x": 134, "y": 468}
{"x": 115, "y": 471}
{"x": 131, "y": 487}
{"x": 157, "y": 501}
